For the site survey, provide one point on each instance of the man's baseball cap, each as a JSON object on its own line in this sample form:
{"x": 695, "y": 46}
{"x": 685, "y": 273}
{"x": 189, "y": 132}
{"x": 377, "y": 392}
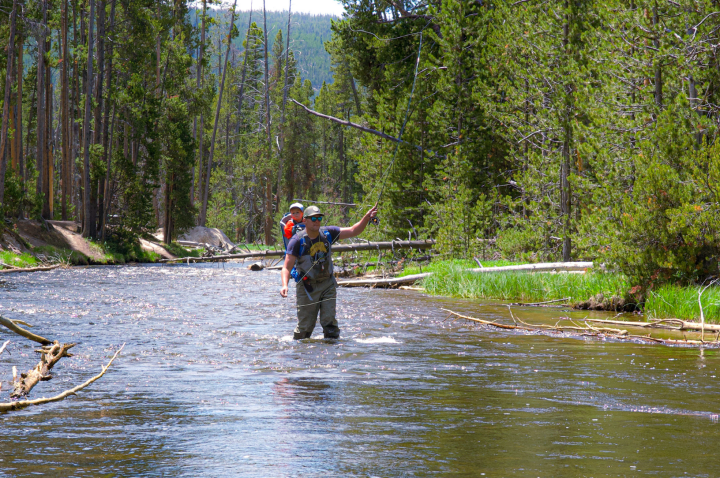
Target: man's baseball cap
{"x": 313, "y": 211}
{"x": 296, "y": 205}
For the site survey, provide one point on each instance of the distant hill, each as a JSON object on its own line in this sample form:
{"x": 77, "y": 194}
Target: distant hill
{"x": 308, "y": 36}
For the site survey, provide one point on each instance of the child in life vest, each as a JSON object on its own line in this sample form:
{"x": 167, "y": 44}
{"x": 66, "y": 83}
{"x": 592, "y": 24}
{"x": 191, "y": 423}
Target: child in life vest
{"x": 291, "y": 222}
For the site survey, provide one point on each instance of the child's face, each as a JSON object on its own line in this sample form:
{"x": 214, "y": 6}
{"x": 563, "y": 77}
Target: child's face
{"x": 296, "y": 214}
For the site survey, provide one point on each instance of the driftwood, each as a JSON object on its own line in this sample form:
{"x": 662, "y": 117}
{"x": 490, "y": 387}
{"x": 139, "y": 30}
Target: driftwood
{"x": 540, "y": 267}
{"x": 256, "y": 266}
{"x": 9, "y": 406}
{"x": 584, "y": 330}
{"x": 30, "y": 269}
{"x": 12, "y": 325}
{"x": 49, "y": 356}
{"x": 671, "y": 324}
{"x": 411, "y": 279}
{"x": 369, "y": 246}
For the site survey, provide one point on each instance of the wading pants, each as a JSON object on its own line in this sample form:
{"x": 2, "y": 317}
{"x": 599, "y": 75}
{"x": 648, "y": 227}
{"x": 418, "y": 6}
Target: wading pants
{"x": 322, "y": 299}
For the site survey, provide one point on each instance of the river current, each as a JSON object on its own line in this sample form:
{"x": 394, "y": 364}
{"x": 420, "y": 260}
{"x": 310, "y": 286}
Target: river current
{"x": 210, "y": 384}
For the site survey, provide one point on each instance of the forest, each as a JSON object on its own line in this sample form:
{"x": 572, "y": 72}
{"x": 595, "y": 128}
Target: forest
{"x": 557, "y": 130}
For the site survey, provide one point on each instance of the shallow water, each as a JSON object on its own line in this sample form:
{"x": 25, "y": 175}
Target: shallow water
{"x": 210, "y": 384}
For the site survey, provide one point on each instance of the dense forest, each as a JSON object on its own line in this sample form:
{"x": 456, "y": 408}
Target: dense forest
{"x": 308, "y": 35}
{"x": 553, "y": 130}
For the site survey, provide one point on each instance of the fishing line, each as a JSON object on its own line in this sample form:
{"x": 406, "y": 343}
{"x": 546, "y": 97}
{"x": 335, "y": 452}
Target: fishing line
{"x": 402, "y": 129}
{"x": 397, "y": 147}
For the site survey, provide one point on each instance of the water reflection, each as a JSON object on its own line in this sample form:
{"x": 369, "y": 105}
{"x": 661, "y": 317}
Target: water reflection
{"x": 210, "y": 385}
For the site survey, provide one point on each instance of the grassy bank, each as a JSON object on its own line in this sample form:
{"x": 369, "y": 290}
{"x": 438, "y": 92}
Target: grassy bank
{"x": 449, "y": 279}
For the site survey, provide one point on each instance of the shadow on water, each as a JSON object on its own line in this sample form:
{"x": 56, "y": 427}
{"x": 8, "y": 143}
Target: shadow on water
{"x": 211, "y": 384}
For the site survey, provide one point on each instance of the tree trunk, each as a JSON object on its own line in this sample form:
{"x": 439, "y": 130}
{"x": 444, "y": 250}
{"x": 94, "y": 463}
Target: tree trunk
{"x": 201, "y": 219}
{"x": 18, "y": 117}
{"x": 268, "y": 207}
{"x": 6, "y": 104}
{"x": 217, "y": 116}
{"x": 40, "y": 95}
{"x": 105, "y": 186}
{"x": 242, "y": 80}
{"x": 282, "y": 112}
{"x": 89, "y": 219}
{"x": 65, "y": 121}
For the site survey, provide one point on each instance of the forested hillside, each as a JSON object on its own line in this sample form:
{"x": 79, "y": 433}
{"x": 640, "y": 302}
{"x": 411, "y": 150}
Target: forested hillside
{"x": 308, "y": 34}
{"x": 557, "y": 131}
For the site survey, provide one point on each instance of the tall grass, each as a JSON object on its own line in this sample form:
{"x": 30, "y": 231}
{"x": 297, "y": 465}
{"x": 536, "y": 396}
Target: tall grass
{"x": 671, "y": 301}
{"x": 17, "y": 260}
{"x": 525, "y": 287}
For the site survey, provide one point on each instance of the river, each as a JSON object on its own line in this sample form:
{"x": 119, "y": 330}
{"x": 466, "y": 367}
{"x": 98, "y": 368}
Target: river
{"x": 210, "y": 384}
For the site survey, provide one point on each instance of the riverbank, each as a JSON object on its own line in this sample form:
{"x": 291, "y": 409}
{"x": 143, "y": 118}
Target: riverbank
{"x": 593, "y": 290}
{"x": 29, "y": 244}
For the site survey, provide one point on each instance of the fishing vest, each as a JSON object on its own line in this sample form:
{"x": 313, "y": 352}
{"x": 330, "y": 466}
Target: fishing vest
{"x": 307, "y": 267}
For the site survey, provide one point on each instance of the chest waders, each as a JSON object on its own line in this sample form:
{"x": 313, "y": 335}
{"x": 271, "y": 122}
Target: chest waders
{"x": 316, "y": 286}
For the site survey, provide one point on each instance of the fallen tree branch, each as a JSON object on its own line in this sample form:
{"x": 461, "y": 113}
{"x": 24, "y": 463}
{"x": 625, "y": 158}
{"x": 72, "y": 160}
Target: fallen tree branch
{"x": 411, "y": 279}
{"x": 9, "y": 406}
{"x": 672, "y": 324}
{"x": 370, "y": 246}
{"x": 11, "y": 324}
{"x": 357, "y": 126}
{"x": 587, "y": 331}
{"x": 50, "y": 355}
{"x": 541, "y": 303}
{"x": 30, "y": 269}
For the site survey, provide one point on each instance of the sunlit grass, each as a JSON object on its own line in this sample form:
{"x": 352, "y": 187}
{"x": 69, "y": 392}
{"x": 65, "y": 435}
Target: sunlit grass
{"x": 671, "y": 301}
{"x": 524, "y": 286}
{"x": 18, "y": 260}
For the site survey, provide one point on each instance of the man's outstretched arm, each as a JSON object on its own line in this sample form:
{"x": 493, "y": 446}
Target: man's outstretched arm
{"x": 359, "y": 227}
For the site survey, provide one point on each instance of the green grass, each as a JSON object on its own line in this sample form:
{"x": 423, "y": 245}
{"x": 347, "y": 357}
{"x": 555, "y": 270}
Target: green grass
{"x": 448, "y": 265}
{"x": 18, "y": 260}
{"x": 671, "y": 301}
{"x": 177, "y": 250}
{"x": 523, "y": 286}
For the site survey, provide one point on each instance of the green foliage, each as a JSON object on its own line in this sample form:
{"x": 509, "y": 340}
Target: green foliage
{"x": 177, "y": 250}
{"x": 668, "y": 226}
{"x": 521, "y": 243}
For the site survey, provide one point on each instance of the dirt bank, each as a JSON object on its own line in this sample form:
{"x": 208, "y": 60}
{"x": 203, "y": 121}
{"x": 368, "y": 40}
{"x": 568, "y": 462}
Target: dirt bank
{"x": 42, "y": 239}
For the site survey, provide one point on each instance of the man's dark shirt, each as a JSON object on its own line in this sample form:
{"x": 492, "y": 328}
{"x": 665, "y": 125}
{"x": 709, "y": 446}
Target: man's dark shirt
{"x": 293, "y": 247}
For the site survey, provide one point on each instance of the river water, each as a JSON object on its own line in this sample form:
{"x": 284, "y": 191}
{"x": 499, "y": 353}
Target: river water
{"x": 210, "y": 384}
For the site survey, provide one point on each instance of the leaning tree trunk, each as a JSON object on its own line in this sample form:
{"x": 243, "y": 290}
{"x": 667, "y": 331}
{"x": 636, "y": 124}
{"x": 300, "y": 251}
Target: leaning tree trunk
{"x": 282, "y": 111}
{"x": 6, "y": 103}
{"x": 268, "y": 205}
{"x": 89, "y": 220}
{"x": 201, "y": 147}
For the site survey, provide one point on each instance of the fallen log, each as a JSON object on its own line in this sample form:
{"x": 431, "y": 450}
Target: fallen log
{"x": 586, "y": 331}
{"x": 396, "y": 281}
{"x": 30, "y": 269}
{"x": 672, "y": 324}
{"x": 369, "y": 246}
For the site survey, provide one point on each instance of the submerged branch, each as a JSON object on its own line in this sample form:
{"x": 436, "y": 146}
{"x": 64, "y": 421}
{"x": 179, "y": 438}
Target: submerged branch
{"x": 11, "y": 324}
{"x": 9, "y": 406}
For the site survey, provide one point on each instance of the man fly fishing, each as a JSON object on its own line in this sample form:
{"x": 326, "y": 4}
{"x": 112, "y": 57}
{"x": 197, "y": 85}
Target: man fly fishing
{"x": 308, "y": 260}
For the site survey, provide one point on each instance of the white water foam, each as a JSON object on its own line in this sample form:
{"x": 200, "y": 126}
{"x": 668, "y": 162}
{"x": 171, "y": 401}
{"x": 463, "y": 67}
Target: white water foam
{"x": 378, "y": 340}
